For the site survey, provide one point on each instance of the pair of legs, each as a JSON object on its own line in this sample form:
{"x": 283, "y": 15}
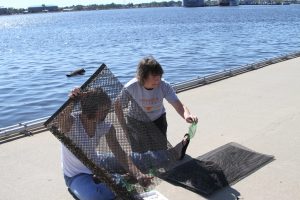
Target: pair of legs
{"x": 84, "y": 187}
{"x": 147, "y": 135}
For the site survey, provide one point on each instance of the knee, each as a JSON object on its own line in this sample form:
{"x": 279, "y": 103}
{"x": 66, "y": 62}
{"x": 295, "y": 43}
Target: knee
{"x": 104, "y": 193}
{"x": 84, "y": 188}
{"x": 101, "y": 192}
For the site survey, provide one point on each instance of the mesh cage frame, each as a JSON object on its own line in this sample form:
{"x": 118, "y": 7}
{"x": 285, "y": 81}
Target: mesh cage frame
{"x": 154, "y": 139}
{"x": 104, "y": 176}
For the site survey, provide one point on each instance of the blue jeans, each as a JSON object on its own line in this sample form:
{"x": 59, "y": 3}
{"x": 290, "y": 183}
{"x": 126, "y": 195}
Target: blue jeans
{"x": 84, "y": 188}
{"x": 144, "y": 161}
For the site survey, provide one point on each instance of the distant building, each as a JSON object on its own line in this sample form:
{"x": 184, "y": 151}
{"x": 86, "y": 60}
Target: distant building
{"x": 3, "y": 11}
{"x": 193, "y": 3}
{"x": 67, "y": 9}
{"x": 42, "y": 8}
{"x": 234, "y": 2}
{"x": 229, "y": 2}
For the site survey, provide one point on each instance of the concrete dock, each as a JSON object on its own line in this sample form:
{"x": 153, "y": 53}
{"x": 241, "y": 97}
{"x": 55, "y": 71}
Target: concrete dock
{"x": 259, "y": 109}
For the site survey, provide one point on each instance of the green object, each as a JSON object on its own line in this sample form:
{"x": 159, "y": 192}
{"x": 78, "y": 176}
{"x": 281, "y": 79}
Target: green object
{"x": 132, "y": 187}
{"x": 152, "y": 172}
{"x": 192, "y": 130}
{"x": 129, "y": 187}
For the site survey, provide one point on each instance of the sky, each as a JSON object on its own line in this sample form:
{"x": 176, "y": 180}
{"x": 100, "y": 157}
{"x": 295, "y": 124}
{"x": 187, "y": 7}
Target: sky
{"x": 63, "y": 3}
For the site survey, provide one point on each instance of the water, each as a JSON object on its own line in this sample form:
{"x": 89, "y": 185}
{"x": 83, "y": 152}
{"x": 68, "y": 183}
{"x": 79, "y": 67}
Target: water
{"x": 37, "y": 50}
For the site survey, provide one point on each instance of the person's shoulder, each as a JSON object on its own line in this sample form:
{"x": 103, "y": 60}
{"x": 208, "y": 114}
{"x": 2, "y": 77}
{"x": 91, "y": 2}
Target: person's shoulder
{"x": 167, "y": 88}
{"x": 133, "y": 82}
{"x": 165, "y": 83}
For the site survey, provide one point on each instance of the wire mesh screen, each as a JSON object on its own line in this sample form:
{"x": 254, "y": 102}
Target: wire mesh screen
{"x": 108, "y": 132}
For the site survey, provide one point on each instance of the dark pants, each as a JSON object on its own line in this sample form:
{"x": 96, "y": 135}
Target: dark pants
{"x": 162, "y": 124}
{"x": 148, "y": 136}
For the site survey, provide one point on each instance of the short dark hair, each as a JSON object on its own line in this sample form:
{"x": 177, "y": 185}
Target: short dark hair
{"x": 148, "y": 65}
{"x": 92, "y": 100}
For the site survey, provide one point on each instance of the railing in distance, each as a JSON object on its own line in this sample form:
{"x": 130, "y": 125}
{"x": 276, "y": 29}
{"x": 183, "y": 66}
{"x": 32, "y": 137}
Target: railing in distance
{"x": 199, "y": 81}
{"x": 24, "y": 128}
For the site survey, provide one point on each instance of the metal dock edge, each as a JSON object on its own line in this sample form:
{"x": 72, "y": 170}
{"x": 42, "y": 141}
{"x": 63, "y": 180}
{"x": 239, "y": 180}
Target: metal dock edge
{"x": 30, "y": 127}
{"x": 200, "y": 81}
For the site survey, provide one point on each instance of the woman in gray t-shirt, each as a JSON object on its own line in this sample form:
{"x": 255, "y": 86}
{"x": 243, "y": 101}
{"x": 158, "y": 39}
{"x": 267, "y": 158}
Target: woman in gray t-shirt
{"x": 146, "y": 92}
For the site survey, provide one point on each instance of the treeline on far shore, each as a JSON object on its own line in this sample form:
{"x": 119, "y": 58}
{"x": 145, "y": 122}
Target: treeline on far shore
{"x": 44, "y": 8}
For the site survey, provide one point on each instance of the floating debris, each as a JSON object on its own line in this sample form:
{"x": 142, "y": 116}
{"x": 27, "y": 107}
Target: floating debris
{"x": 76, "y": 72}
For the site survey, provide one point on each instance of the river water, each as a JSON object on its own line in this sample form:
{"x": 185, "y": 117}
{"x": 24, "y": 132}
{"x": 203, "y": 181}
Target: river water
{"x": 38, "y": 50}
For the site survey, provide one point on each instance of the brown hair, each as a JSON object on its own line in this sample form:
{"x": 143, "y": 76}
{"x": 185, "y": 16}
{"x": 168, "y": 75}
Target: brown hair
{"x": 147, "y": 66}
{"x": 92, "y": 100}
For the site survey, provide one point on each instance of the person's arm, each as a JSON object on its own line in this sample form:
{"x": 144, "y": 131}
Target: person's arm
{"x": 65, "y": 120}
{"x": 120, "y": 114}
{"x": 125, "y": 160}
{"x": 172, "y": 98}
{"x": 122, "y": 101}
{"x": 184, "y": 112}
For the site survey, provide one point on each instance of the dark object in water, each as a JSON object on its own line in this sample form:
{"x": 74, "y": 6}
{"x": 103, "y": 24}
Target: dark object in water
{"x": 76, "y": 72}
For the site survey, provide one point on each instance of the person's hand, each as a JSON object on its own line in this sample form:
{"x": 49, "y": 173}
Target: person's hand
{"x": 144, "y": 180}
{"x": 76, "y": 92}
{"x": 191, "y": 119}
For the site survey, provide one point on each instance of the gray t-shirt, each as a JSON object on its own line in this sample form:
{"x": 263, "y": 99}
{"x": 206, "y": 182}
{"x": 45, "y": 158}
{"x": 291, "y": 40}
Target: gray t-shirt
{"x": 151, "y": 101}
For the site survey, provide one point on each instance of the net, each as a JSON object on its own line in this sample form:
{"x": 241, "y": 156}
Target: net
{"x": 108, "y": 132}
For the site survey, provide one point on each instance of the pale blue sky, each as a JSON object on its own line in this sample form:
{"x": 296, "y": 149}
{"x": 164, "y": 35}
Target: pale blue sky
{"x": 62, "y": 3}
